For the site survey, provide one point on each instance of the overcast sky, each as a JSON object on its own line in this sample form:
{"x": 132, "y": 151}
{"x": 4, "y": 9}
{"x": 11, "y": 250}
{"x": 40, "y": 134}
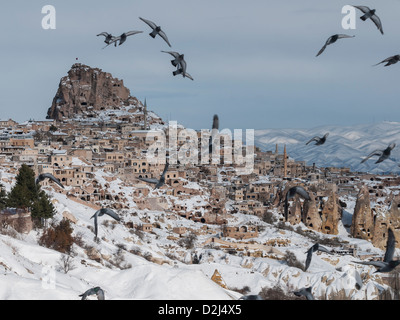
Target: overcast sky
{"x": 253, "y": 62}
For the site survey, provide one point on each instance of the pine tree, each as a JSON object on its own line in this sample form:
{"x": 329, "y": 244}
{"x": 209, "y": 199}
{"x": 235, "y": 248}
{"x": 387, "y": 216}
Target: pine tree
{"x": 3, "y": 197}
{"x": 26, "y": 194}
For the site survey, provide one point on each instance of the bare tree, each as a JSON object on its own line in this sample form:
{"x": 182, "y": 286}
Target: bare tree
{"x": 66, "y": 263}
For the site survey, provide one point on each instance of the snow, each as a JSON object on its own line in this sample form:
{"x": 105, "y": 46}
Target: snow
{"x": 30, "y": 271}
{"x": 345, "y": 146}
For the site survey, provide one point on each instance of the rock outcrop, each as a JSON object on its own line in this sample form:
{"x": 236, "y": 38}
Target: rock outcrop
{"x": 362, "y": 225}
{"x": 331, "y": 215}
{"x": 311, "y": 216}
{"x": 87, "y": 89}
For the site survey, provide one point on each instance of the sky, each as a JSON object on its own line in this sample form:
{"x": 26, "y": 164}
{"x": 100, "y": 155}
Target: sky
{"x": 253, "y": 62}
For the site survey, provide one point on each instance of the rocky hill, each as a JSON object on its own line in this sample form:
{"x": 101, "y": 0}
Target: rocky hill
{"x": 87, "y": 89}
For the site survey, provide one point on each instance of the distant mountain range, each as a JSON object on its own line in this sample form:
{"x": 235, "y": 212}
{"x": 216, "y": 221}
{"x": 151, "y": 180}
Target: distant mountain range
{"x": 345, "y": 146}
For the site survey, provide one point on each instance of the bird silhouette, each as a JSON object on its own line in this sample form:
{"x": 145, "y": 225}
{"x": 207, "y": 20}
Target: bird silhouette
{"x": 291, "y": 194}
{"x": 44, "y": 176}
{"x": 333, "y": 39}
{"x": 182, "y": 70}
{"x": 180, "y": 63}
{"x": 382, "y": 154}
{"x": 108, "y": 37}
{"x": 156, "y": 30}
{"x": 314, "y": 248}
{"x": 370, "y": 14}
{"x": 102, "y": 212}
{"x": 389, "y": 61}
{"x": 122, "y": 38}
{"x": 177, "y": 57}
{"x": 306, "y": 292}
{"x": 388, "y": 264}
{"x": 158, "y": 182}
{"x": 318, "y": 141}
{"x": 93, "y": 291}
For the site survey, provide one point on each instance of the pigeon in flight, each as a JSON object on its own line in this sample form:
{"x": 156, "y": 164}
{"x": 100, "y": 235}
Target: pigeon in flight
{"x": 177, "y": 57}
{"x": 382, "y": 154}
{"x": 180, "y": 63}
{"x": 333, "y": 39}
{"x": 182, "y": 70}
{"x": 108, "y": 37}
{"x": 291, "y": 194}
{"x": 389, "y": 61}
{"x": 44, "y": 176}
{"x": 102, "y": 212}
{"x": 156, "y": 30}
{"x": 368, "y": 13}
{"x": 122, "y": 38}
{"x": 306, "y": 292}
{"x": 159, "y": 183}
{"x": 314, "y": 248}
{"x": 388, "y": 264}
{"x": 93, "y": 291}
{"x": 319, "y": 140}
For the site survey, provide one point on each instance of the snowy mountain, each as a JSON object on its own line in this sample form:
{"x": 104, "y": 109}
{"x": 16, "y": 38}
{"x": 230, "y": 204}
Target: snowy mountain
{"x": 345, "y": 146}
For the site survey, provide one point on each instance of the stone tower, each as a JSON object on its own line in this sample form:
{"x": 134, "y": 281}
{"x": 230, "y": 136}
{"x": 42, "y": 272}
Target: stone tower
{"x": 284, "y": 162}
{"x": 145, "y": 114}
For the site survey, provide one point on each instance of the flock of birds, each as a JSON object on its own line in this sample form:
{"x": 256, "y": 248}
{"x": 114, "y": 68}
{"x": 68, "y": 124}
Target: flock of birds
{"x": 368, "y": 13}
{"x": 179, "y": 59}
{"x": 387, "y": 265}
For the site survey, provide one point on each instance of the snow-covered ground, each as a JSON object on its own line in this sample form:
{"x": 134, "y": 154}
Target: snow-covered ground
{"x": 30, "y": 271}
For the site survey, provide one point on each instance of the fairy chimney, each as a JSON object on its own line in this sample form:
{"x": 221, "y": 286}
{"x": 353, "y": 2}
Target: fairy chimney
{"x": 362, "y": 225}
{"x": 331, "y": 214}
{"x": 311, "y": 216}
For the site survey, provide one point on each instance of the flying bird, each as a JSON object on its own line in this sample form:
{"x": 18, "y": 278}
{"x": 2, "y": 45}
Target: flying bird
{"x": 333, "y": 39}
{"x": 389, "y": 61}
{"x": 318, "y": 141}
{"x": 158, "y": 182}
{"x": 306, "y": 292}
{"x": 180, "y": 63}
{"x": 156, "y": 30}
{"x": 93, "y": 291}
{"x": 177, "y": 57}
{"x": 368, "y": 13}
{"x": 292, "y": 193}
{"x": 314, "y": 248}
{"x": 108, "y": 37}
{"x": 182, "y": 70}
{"x": 382, "y": 154}
{"x": 122, "y": 38}
{"x": 102, "y": 212}
{"x": 44, "y": 176}
{"x": 388, "y": 264}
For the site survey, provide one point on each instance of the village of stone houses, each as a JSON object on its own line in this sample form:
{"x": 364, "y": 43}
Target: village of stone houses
{"x": 210, "y": 232}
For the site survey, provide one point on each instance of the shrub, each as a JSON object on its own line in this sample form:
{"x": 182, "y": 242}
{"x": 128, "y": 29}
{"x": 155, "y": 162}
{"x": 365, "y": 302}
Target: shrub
{"x": 292, "y": 261}
{"x": 275, "y": 293}
{"x": 58, "y": 237}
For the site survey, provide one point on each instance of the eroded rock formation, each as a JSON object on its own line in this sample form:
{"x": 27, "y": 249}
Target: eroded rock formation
{"x": 85, "y": 89}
